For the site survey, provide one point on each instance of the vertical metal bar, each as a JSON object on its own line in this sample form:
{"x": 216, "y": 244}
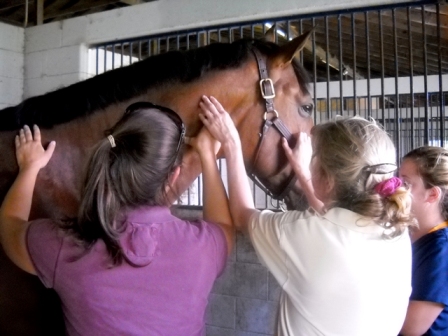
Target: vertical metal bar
{"x": 341, "y": 66}
{"x": 397, "y": 95}
{"x": 113, "y": 57}
{"x": 327, "y": 66}
{"x": 383, "y": 99}
{"x": 355, "y": 111}
{"x": 130, "y": 52}
{"x": 411, "y": 78}
{"x": 105, "y": 59}
{"x": 121, "y": 55}
{"x": 425, "y": 63}
{"x": 97, "y": 60}
{"x": 441, "y": 95}
{"x": 177, "y": 42}
{"x": 139, "y": 50}
{"x": 369, "y": 98}
{"x": 314, "y": 71}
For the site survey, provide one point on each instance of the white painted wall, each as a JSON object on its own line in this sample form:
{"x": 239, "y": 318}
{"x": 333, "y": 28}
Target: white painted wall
{"x": 56, "y": 53}
{"x": 11, "y": 64}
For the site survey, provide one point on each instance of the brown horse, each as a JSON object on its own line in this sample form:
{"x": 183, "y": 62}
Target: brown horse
{"x": 77, "y": 117}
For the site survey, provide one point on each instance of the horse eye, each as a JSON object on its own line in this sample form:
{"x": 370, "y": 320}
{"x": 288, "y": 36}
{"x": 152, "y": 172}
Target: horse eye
{"x": 308, "y": 109}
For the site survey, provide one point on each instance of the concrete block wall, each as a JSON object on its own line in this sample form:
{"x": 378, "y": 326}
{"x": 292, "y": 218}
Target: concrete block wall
{"x": 244, "y": 300}
{"x": 11, "y": 64}
{"x": 53, "y": 58}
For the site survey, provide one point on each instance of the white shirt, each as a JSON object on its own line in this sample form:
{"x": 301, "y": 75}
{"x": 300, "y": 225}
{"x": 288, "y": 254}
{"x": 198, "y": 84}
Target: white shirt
{"x": 339, "y": 274}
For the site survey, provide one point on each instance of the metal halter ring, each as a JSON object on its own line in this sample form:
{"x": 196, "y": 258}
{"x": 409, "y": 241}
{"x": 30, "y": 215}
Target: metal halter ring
{"x": 265, "y": 116}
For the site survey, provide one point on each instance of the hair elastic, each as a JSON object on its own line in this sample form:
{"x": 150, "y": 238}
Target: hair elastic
{"x": 388, "y": 187}
{"x": 111, "y": 140}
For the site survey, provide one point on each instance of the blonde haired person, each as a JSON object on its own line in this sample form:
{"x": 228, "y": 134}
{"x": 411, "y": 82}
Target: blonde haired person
{"x": 425, "y": 171}
{"x": 346, "y": 271}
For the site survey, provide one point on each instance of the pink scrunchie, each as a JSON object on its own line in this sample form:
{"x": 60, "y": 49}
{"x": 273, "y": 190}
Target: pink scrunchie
{"x": 388, "y": 187}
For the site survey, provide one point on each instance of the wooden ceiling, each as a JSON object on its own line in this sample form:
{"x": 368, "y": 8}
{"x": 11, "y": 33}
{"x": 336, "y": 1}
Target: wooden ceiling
{"x": 26, "y": 13}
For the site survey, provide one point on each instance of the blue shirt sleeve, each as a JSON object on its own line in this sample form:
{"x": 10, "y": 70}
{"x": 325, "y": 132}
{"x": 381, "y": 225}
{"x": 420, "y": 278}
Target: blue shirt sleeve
{"x": 430, "y": 268}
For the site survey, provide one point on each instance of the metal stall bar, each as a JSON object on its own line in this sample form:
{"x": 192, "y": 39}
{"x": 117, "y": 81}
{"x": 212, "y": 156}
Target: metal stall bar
{"x": 369, "y": 98}
{"x": 426, "y": 100}
{"x": 397, "y": 95}
{"x": 441, "y": 95}
{"x": 341, "y": 67}
{"x": 354, "y": 62}
{"x": 373, "y": 75}
{"x": 411, "y": 78}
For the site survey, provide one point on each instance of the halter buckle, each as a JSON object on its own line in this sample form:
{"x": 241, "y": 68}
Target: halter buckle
{"x": 263, "y": 91}
{"x": 265, "y": 116}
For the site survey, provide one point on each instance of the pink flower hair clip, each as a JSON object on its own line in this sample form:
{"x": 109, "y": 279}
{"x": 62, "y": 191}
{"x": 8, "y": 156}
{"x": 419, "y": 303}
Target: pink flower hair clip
{"x": 388, "y": 187}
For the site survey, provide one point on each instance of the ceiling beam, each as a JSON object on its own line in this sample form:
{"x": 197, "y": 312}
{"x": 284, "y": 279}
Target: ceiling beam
{"x": 8, "y": 4}
{"x": 40, "y": 12}
{"x": 131, "y": 2}
{"x": 54, "y": 11}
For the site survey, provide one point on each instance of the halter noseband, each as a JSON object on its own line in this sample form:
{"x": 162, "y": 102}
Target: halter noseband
{"x": 268, "y": 94}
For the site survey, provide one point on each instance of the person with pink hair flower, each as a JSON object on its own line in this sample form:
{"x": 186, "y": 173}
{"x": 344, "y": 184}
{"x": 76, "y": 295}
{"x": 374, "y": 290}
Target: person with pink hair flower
{"x": 344, "y": 265}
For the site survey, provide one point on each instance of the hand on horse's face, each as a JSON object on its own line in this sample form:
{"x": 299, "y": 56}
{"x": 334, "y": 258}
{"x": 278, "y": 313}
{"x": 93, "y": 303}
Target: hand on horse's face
{"x": 30, "y": 153}
{"x": 218, "y": 121}
{"x": 300, "y": 156}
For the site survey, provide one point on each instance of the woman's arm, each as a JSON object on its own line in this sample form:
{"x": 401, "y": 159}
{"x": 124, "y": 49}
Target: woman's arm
{"x": 16, "y": 207}
{"x": 420, "y": 316}
{"x": 216, "y": 206}
{"x": 221, "y": 126}
{"x": 300, "y": 159}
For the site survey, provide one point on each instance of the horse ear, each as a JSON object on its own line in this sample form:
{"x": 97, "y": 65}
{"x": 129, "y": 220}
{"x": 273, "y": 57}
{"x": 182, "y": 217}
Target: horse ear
{"x": 290, "y": 49}
{"x": 269, "y": 36}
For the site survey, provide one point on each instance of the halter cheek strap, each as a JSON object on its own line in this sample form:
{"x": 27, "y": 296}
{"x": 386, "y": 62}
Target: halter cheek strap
{"x": 268, "y": 94}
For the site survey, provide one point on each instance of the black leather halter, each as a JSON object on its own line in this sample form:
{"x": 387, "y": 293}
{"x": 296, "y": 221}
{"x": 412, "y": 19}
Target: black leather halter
{"x": 268, "y": 94}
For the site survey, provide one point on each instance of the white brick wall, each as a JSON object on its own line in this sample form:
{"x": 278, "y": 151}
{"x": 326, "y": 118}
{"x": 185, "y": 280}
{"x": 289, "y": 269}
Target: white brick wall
{"x": 11, "y": 64}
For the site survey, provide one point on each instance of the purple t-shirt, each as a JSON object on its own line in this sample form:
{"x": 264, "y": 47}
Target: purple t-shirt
{"x": 161, "y": 289}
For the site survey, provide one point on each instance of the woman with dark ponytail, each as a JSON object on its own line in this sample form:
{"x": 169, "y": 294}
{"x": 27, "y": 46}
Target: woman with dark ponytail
{"x": 125, "y": 265}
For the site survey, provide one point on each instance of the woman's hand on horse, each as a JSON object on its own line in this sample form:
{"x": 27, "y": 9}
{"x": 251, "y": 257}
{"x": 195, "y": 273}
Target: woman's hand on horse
{"x": 218, "y": 121}
{"x": 30, "y": 153}
{"x": 300, "y": 156}
{"x": 204, "y": 142}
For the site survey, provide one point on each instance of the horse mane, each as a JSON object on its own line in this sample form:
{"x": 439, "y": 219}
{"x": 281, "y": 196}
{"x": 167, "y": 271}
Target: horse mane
{"x": 118, "y": 85}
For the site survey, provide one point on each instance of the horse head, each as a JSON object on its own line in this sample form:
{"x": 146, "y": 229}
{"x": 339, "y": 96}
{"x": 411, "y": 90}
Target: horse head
{"x": 285, "y": 109}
